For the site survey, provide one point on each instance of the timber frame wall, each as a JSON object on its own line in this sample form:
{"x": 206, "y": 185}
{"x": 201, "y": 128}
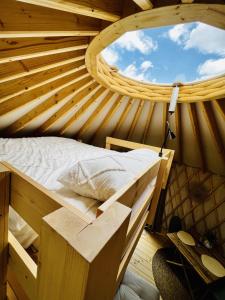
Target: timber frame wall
{"x": 74, "y": 250}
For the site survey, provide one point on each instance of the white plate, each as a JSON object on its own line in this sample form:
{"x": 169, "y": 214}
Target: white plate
{"x": 213, "y": 265}
{"x": 186, "y": 238}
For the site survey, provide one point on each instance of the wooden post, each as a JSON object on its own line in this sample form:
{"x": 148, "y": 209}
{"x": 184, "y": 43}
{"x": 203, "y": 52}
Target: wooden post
{"x": 158, "y": 187}
{"x": 4, "y": 209}
{"x": 80, "y": 260}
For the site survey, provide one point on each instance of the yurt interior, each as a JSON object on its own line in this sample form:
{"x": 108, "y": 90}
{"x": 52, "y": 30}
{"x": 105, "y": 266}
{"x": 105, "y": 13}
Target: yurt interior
{"x": 112, "y": 149}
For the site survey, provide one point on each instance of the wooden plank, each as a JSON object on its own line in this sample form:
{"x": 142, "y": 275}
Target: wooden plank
{"x": 89, "y": 248}
{"x": 23, "y": 266}
{"x": 158, "y": 187}
{"x": 4, "y": 208}
{"x": 38, "y": 110}
{"x": 220, "y": 107}
{"x": 25, "y": 20}
{"x": 122, "y": 117}
{"x": 196, "y": 130}
{"x": 107, "y": 118}
{"x": 86, "y": 8}
{"x": 98, "y": 110}
{"x": 79, "y": 95}
{"x": 148, "y": 122}
{"x": 23, "y": 85}
{"x": 40, "y": 67}
{"x": 213, "y": 127}
{"x": 55, "y": 86}
{"x": 17, "y": 49}
{"x": 135, "y": 120}
{"x": 179, "y": 140}
{"x": 187, "y": 1}
{"x": 82, "y": 109}
{"x": 144, "y": 4}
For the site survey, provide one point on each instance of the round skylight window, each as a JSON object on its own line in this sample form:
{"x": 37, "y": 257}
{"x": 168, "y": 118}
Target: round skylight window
{"x": 180, "y": 53}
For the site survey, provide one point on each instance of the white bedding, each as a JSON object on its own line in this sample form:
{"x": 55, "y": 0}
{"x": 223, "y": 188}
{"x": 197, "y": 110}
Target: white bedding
{"x": 44, "y": 159}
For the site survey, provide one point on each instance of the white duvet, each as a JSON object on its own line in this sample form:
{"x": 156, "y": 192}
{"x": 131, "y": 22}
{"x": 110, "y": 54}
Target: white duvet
{"x": 44, "y": 159}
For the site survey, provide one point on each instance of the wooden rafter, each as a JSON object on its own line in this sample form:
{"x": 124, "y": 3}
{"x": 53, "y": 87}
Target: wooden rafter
{"x": 179, "y": 140}
{"x": 164, "y": 118}
{"x": 220, "y": 107}
{"x": 122, "y": 117}
{"x": 144, "y": 4}
{"x": 113, "y": 109}
{"x": 91, "y": 119}
{"x": 38, "y": 110}
{"x": 21, "y": 86}
{"x": 18, "y": 101}
{"x": 78, "y": 7}
{"x": 213, "y": 127}
{"x": 135, "y": 119}
{"x": 148, "y": 122}
{"x": 196, "y": 130}
{"x": 42, "y": 68}
{"x": 79, "y": 95}
{"x": 25, "y": 20}
{"x": 82, "y": 109}
{"x": 39, "y": 48}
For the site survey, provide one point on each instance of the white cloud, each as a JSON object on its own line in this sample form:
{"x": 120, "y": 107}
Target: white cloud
{"x": 138, "y": 73}
{"x": 179, "y": 33}
{"x": 110, "y": 55}
{"x": 136, "y": 40}
{"x": 207, "y": 39}
{"x": 211, "y": 67}
{"x": 146, "y": 65}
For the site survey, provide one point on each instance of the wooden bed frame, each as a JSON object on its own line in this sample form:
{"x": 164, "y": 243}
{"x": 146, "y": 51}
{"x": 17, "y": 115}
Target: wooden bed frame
{"x": 78, "y": 258}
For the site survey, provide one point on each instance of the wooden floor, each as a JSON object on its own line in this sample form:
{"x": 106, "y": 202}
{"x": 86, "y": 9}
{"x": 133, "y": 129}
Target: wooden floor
{"x": 141, "y": 261}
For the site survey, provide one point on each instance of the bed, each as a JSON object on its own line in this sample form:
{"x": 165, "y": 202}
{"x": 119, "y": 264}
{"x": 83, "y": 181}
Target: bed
{"x": 72, "y": 230}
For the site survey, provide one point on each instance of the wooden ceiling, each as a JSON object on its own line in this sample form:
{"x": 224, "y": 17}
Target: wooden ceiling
{"x": 45, "y": 87}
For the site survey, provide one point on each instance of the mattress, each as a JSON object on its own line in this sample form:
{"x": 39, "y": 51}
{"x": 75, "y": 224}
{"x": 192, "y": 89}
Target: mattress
{"x": 44, "y": 159}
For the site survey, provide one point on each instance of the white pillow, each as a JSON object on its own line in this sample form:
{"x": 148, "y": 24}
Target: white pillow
{"x": 97, "y": 178}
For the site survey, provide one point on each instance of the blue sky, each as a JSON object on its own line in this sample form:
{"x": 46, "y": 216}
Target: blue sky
{"x": 184, "y": 52}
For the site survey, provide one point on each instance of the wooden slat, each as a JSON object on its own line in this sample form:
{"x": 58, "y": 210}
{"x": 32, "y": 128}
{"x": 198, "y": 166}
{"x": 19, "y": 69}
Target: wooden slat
{"x": 220, "y": 107}
{"x": 144, "y": 4}
{"x": 24, "y": 85}
{"x": 86, "y": 8}
{"x": 213, "y": 127}
{"x": 135, "y": 119}
{"x": 4, "y": 208}
{"x": 81, "y": 93}
{"x": 91, "y": 119}
{"x": 82, "y": 109}
{"x": 38, "y": 110}
{"x": 33, "y": 70}
{"x": 18, "y": 101}
{"x": 23, "y": 266}
{"x": 107, "y": 118}
{"x": 196, "y": 130}
{"x": 25, "y": 49}
{"x": 25, "y": 20}
{"x": 122, "y": 117}
{"x": 148, "y": 122}
{"x": 187, "y": 1}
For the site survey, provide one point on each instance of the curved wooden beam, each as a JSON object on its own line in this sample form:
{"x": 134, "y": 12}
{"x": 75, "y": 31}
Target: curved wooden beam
{"x": 144, "y": 4}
